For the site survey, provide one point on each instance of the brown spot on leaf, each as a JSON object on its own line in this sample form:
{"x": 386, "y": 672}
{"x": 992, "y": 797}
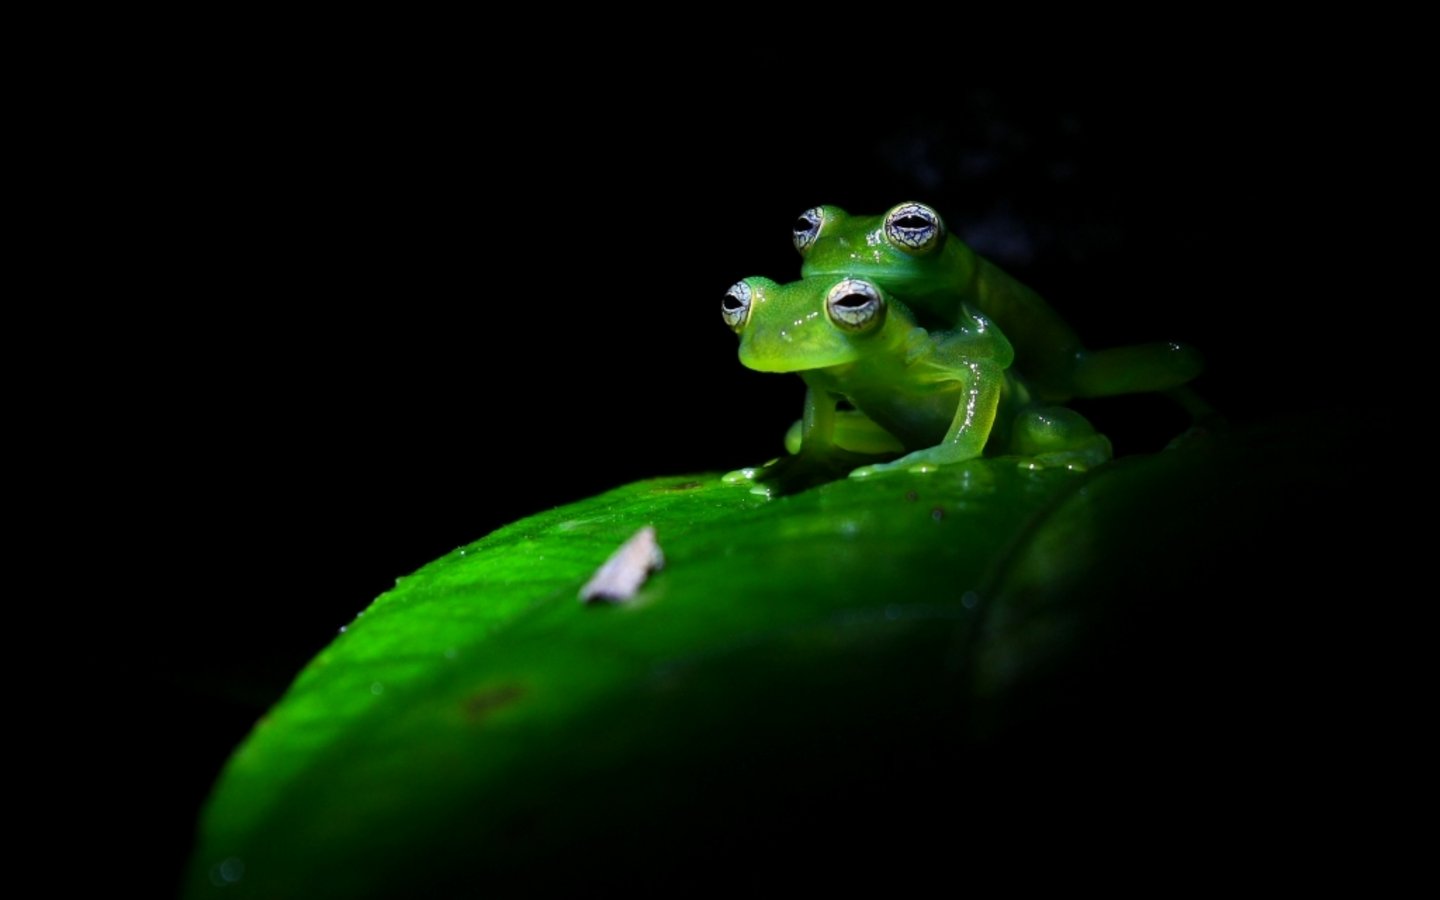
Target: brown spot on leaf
{"x": 684, "y": 486}
{"x": 482, "y": 703}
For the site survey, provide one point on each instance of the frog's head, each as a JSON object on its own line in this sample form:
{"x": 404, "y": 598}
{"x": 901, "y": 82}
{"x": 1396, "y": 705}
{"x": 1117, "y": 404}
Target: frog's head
{"x": 906, "y": 250}
{"x": 808, "y": 324}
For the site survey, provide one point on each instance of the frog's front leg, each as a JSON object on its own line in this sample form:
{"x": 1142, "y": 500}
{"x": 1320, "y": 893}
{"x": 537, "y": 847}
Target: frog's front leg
{"x": 980, "y": 383}
{"x": 820, "y": 457}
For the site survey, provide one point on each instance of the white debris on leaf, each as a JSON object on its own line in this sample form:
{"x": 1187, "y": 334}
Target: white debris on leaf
{"x": 625, "y": 570}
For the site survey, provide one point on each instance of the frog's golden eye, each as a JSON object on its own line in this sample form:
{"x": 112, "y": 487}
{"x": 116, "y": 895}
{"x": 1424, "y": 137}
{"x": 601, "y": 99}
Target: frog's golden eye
{"x": 736, "y": 305}
{"x": 855, "y": 305}
{"x": 807, "y": 228}
{"x": 914, "y": 228}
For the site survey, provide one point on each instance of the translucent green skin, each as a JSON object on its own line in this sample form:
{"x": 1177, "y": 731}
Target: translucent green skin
{"x": 935, "y": 396}
{"x": 939, "y": 277}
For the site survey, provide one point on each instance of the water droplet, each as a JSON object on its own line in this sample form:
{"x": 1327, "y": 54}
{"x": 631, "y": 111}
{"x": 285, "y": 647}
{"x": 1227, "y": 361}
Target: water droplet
{"x": 462, "y": 552}
{"x": 970, "y": 600}
{"x": 937, "y": 514}
{"x": 227, "y": 872}
{"x": 892, "y": 612}
{"x": 342, "y": 628}
{"x": 377, "y": 688}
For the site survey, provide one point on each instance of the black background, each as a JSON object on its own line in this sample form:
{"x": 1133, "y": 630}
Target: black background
{"x": 410, "y": 301}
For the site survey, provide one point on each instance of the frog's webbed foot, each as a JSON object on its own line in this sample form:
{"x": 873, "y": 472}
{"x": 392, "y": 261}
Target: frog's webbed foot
{"x": 792, "y": 474}
{"x": 1056, "y": 437}
{"x": 1080, "y": 459}
{"x": 919, "y": 462}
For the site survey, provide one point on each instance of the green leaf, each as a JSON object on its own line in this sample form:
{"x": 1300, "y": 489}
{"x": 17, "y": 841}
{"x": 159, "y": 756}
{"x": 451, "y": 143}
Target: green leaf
{"x": 809, "y": 680}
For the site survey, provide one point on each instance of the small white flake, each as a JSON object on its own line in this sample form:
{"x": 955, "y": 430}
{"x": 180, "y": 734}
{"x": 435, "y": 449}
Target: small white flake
{"x": 626, "y": 569}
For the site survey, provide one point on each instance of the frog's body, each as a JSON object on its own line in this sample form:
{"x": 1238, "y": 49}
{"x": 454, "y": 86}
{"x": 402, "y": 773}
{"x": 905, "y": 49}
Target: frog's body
{"x": 935, "y": 395}
{"x": 908, "y": 252}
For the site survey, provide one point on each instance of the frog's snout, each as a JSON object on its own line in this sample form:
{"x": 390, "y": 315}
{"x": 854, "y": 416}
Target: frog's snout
{"x": 766, "y": 353}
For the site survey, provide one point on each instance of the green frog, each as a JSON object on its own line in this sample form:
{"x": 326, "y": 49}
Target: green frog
{"x": 908, "y": 252}
{"x": 879, "y": 384}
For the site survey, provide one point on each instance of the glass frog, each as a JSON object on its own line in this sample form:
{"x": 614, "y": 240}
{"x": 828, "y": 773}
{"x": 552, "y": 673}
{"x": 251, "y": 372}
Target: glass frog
{"x": 881, "y": 384}
{"x": 908, "y": 252}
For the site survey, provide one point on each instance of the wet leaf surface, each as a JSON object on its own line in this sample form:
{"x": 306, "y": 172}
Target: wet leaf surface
{"x": 863, "y": 672}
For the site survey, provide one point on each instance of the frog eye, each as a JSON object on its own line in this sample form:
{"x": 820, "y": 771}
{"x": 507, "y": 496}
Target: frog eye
{"x": 736, "y": 305}
{"x": 855, "y": 305}
{"x": 807, "y": 228}
{"x": 914, "y": 227}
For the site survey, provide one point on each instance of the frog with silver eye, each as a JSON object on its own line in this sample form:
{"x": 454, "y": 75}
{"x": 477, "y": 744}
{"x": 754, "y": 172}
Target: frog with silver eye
{"x": 908, "y": 252}
{"x": 879, "y": 385}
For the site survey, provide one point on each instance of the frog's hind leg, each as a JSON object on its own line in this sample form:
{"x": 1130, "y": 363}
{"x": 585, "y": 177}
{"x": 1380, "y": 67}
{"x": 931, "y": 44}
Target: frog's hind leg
{"x": 1057, "y": 436}
{"x": 1136, "y": 369}
{"x": 854, "y": 431}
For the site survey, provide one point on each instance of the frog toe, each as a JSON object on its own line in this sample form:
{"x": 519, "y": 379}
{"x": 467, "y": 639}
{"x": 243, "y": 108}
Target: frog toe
{"x": 920, "y": 466}
{"x": 740, "y": 476}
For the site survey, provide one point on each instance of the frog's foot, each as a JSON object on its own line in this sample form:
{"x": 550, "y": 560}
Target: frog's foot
{"x": 1056, "y": 437}
{"x": 1079, "y": 459}
{"x": 919, "y": 462}
{"x": 791, "y": 474}
{"x": 746, "y": 475}
{"x": 874, "y": 469}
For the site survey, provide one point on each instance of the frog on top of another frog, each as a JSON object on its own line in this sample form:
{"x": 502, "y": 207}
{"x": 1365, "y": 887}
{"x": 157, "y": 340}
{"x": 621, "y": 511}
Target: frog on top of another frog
{"x": 908, "y": 252}
{"x": 880, "y": 385}
{"x": 905, "y": 338}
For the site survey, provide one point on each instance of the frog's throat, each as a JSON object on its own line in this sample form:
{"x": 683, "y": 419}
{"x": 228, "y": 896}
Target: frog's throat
{"x": 765, "y": 358}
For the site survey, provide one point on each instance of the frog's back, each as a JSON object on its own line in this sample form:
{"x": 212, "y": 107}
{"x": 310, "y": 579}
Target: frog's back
{"x": 910, "y": 254}
{"x": 1046, "y": 347}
